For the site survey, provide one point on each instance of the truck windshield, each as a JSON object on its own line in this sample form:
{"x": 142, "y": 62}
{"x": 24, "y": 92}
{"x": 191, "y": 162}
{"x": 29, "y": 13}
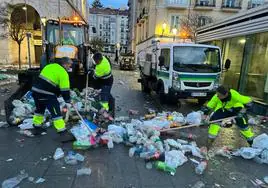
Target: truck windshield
{"x": 71, "y": 35}
{"x": 196, "y": 59}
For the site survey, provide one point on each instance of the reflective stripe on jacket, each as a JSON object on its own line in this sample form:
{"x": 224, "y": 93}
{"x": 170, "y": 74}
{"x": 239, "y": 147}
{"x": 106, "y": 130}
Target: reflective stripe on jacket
{"x": 53, "y": 79}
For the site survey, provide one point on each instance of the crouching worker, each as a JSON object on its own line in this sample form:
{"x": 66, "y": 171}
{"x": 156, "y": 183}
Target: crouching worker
{"x": 52, "y": 81}
{"x": 227, "y": 103}
{"x": 103, "y": 79}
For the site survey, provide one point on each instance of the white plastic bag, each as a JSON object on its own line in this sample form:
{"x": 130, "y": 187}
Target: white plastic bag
{"x": 261, "y": 141}
{"x": 175, "y": 158}
{"x": 194, "y": 118}
{"x": 27, "y": 124}
{"x": 247, "y": 152}
{"x": 117, "y": 129}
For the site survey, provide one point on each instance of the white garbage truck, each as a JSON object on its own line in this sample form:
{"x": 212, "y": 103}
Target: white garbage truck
{"x": 177, "y": 70}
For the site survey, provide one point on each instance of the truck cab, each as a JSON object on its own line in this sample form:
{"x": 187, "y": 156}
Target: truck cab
{"x": 181, "y": 70}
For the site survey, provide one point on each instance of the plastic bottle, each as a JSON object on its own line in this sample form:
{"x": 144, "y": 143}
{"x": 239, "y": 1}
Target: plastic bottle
{"x": 188, "y": 135}
{"x": 201, "y": 167}
{"x": 58, "y": 154}
{"x": 110, "y": 144}
{"x": 146, "y": 155}
{"x": 163, "y": 166}
{"x": 121, "y": 118}
{"x": 131, "y": 151}
{"x": 83, "y": 171}
{"x": 79, "y": 157}
{"x": 159, "y": 145}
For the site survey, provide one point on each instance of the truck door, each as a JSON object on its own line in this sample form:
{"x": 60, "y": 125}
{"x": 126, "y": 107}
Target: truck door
{"x": 163, "y": 71}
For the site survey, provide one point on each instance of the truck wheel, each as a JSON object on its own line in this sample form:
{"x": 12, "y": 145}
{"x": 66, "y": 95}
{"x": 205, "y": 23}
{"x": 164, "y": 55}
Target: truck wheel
{"x": 162, "y": 95}
{"x": 144, "y": 87}
{"x": 202, "y": 101}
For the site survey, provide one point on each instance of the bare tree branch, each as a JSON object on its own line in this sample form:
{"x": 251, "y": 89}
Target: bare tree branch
{"x": 191, "y": 23}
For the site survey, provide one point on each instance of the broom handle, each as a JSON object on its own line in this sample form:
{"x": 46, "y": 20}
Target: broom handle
{"x": 197, "y": 125}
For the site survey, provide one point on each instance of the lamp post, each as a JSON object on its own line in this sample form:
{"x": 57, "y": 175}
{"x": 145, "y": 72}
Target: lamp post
{"x": 28, "y": 34}
{"x": 174, "y": 31}
{"x": 118, "y": 51}
{"x": 164, "y": 26}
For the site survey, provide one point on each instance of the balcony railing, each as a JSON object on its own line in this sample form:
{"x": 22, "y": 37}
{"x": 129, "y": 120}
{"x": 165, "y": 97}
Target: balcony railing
{"x": 255, "y": 3}
{"x": 231, "y": 4}
{"x": 177, "y": 3}
{"x": 205, "y": 3}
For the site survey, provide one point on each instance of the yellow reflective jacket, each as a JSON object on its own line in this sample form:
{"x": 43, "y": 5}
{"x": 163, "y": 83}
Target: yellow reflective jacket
{"x": 53, "y": 80}
{"x": 236, "y": 100}
{"x": 103, "y": 69}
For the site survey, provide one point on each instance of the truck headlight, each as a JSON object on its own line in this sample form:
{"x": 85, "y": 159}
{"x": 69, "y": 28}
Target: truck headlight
{"x": 216, "y": 82}
{"x": 176, "y": 82}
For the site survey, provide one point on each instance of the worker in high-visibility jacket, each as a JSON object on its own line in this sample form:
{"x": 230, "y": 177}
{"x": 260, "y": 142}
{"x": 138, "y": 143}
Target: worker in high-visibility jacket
{"x": 52, "y": 82}
{"x": 227, "y": 103}
{"x": 103, "y": 79}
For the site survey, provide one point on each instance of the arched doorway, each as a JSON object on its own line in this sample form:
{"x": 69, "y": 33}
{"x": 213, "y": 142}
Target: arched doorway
{"x": 32, "y": 41}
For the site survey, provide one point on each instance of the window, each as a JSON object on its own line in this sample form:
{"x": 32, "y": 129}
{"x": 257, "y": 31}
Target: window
{"x": 203, "y": 20}
{"x": 166, "y": 54}
{"x": 112, "y": 33}
{"x": 100, "y": 33}
{"x": 175, "y": 21}
{"x": 100, "y": 26}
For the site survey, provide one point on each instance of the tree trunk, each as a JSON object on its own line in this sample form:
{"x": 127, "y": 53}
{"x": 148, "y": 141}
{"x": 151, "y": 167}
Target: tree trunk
{"x": 19, "y": 44}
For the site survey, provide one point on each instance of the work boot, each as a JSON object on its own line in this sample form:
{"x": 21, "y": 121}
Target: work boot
{"x": 66, "y": 136}
{"x": 250, "y": 142}
{"x": 38, "y": 130}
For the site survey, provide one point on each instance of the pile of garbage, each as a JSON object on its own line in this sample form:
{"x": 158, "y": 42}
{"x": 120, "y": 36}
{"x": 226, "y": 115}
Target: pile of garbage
{"x": 85, "y": 102}
{"x": 258, "y": 152}
{"x": 143, "y": 137}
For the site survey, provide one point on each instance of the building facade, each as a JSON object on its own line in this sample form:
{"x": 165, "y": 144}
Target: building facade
{"x": 111, "y": 26}
{"x": 161, "y": 19}
{"x": 132, "y": 16}
{"x": 243, "y": 39}
{"x": 36, "y": 11}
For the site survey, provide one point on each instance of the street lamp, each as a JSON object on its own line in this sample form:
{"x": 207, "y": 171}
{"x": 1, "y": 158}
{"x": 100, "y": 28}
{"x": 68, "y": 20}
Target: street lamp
{"x": 118, "y": 52}
{"x": 164, "y": 26}
{"x": 174, "y": 31}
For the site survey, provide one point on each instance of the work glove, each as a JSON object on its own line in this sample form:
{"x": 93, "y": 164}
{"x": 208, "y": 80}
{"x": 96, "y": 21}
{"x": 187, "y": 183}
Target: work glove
{"x": 249, "y": 105}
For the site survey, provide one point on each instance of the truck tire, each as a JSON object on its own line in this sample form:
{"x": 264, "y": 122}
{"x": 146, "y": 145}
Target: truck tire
{"x": 202, "y": 101}
{"x": 144, "y": 87}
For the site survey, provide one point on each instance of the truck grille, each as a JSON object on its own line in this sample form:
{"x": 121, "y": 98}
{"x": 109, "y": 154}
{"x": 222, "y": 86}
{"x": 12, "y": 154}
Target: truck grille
{"x": 197, "y": 84}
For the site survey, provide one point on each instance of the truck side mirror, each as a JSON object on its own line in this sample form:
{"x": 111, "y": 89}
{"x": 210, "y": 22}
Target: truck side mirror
{"x": 94, "y": 30}
{"x": 227, "y": 64}
{"x": 161, "y": 61}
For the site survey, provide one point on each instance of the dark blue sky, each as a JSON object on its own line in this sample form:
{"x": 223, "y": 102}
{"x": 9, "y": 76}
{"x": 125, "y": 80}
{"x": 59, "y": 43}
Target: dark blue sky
{"x": 114, "y": 3}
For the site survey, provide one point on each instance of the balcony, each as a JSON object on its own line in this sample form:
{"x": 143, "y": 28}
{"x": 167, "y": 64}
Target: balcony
{"x": 231, "y": 5}
{"x": 255, "y": 3}
{"x": 177, "y": 4}
{"x": 205, "y": 4}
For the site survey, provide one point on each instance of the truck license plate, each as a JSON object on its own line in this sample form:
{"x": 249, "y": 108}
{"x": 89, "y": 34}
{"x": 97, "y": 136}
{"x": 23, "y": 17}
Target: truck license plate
{"x": 199, "y": 94}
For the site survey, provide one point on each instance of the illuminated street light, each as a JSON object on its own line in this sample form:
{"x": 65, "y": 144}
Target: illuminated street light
{"x": 24, "y": 8}
{"x": 43, "y": 20}
{"x": 164, "y": 26}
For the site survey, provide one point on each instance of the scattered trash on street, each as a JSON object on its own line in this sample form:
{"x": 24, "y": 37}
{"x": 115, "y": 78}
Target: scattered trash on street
{"x": 40, "y": 180}
{"x": 9, "y": 160}
{"x": 199, "y": 184}
{"x": 13, "y": 182}
{"x": 58, "y": 154}
{"x": 83, "y": 171}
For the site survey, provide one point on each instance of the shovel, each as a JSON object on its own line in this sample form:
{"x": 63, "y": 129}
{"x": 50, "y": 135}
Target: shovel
{"x": 197, "y": 125}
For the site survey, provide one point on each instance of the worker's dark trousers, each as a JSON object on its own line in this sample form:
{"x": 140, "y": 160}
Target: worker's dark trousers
{"x": 241, "y": 122}
{"x": 50, "y": 102}
{"x": 105, "y": 96}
